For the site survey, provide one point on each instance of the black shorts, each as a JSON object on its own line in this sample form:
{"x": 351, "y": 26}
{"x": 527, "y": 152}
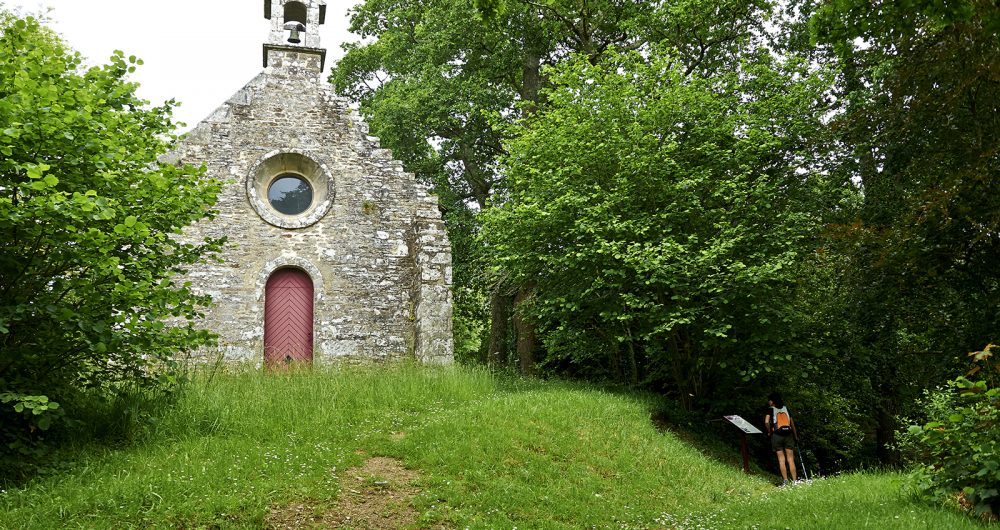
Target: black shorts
{"x": 780, "y": 442}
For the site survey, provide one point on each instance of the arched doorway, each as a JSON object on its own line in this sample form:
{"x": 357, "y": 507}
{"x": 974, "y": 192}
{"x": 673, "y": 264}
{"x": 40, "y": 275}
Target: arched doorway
{"x": 288, "y": 318}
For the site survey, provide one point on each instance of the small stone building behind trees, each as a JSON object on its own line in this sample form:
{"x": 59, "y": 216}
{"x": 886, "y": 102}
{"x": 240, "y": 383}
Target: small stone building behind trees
{"x": 334, "y": 251}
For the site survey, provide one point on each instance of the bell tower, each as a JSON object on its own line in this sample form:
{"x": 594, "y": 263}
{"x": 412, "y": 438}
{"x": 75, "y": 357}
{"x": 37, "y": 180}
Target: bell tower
{"x": 294, "y": 29}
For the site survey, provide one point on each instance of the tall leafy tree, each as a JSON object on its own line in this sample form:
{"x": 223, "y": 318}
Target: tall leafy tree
{"x": 88, "y": 232}
{"x": 921, "y": 118}
{"x": 662, "y": 216}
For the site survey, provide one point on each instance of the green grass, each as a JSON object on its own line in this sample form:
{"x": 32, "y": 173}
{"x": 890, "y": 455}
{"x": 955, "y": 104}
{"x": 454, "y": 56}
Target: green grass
{"x": 491, "y": 453}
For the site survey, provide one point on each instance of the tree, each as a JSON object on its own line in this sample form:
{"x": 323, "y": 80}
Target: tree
{"x": 661, "y": 215}
{"x": 920, "y": 91}
{"x": 88, "y": 223}
{"x": 439, "y": 79}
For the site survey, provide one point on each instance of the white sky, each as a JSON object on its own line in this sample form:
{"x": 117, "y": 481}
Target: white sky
{"x": 198, "y": 52}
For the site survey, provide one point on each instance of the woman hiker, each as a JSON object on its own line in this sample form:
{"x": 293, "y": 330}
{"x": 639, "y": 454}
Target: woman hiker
{"x": 781, "y": 429}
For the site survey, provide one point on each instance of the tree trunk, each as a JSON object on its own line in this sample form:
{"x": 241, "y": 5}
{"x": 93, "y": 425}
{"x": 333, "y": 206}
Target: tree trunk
{"x": 526, "y": 336}
{"x": 531, "y": 79}
{"x": 885, "y": 431}
{"x": 685, "y": 375}
{"x": 615, "y": 358}
{"x": 867, "y": 164}
{"x": 499, "y": 352}
{"x": 633, "y": 376}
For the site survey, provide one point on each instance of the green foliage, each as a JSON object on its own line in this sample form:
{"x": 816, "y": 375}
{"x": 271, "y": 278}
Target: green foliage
{"x": 663, "y": 215}
{"x": 32, "y": 405}
{"x": 920, "y": 86}
{"x": 89, "y": 225}
{"x": 831, "y": 427}
{"x": 36, "y": 413}
{"x": 957, "y": 450}
{"x": 699, "y": 230}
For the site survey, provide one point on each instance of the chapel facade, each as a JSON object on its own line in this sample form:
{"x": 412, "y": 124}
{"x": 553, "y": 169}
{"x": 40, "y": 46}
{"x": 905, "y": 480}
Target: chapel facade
{"x": 334, "y": 251}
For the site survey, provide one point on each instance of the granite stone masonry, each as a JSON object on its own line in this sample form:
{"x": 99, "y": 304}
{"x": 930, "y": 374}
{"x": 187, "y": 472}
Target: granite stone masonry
{"x": 308, "y": 189}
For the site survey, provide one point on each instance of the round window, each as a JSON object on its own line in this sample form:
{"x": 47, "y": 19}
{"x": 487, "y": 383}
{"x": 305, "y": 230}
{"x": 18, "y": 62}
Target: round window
{"x": 290, "y": 194}
{"x": 289, "y": 189}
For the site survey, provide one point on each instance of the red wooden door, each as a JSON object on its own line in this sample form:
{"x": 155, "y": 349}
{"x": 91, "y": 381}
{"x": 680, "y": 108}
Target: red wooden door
{"x": 288, "y": 317}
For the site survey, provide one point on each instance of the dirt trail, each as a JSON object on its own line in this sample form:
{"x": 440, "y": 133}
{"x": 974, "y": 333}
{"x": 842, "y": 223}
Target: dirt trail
{"x": 375, "y": 495}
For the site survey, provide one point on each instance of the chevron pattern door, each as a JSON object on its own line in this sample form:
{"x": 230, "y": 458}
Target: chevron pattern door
{"x": 288, "y": 318}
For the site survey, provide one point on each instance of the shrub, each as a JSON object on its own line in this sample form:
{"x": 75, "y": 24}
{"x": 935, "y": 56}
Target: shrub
{"x": 88, "y": 237}
{"x": 957, "y": 449}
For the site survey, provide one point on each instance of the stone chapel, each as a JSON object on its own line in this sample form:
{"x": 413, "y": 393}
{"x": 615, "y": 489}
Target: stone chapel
{"x": 334, "y": 252}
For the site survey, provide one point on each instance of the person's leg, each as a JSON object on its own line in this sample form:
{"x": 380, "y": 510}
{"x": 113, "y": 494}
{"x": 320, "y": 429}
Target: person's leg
{"x": 790, "y": 457}
{"x": 781, "y": 466}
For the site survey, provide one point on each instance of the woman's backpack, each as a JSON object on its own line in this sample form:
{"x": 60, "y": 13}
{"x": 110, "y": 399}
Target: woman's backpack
{"x": 781, "y": 421}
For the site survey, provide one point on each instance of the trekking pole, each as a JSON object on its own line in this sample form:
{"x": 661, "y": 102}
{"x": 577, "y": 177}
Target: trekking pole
{"x": 802, "y": 460}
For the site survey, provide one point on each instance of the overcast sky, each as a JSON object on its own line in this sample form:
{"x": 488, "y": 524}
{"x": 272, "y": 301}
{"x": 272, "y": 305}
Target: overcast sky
{"x": 198, "y": 52}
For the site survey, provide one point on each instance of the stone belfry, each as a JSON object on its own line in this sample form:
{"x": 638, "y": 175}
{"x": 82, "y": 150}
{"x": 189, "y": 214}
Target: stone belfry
{"x": 294, "y": 28}
{"x": 334, "y": 252}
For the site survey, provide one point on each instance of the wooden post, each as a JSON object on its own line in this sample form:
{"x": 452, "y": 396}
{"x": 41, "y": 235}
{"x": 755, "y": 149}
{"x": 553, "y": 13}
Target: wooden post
{"x": 745, "y": 452}
{"x": 745, "y": 428}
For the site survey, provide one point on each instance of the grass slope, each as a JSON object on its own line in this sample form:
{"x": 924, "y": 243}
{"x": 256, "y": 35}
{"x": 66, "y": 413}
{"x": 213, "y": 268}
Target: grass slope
{"x": 489, "y": 453}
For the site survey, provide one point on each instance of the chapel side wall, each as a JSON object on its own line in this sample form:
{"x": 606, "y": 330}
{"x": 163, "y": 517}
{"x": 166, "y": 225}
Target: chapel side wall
{"x": 432, "y": 297}
{"x": 358, "y": 253}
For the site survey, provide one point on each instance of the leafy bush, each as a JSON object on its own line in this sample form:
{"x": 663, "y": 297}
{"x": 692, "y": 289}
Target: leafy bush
{"x": 25, "y": 419}
{"x": 89, "y": 245}
{"x": 831, "y": 428}
{"x": 673, "y": 234}
{"x": 957, "y": 449}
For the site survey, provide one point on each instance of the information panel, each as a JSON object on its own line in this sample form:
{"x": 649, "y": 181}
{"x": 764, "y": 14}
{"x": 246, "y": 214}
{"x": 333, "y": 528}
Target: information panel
{"x": 742, "y": 424}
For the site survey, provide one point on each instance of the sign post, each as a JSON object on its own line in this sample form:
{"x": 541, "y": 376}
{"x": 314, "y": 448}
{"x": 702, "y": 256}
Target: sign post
{"x": 745, "y": 428}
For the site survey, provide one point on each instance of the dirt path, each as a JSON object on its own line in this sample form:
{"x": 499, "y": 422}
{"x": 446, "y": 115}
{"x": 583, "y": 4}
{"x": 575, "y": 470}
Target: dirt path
{"x": 376, "y": 495}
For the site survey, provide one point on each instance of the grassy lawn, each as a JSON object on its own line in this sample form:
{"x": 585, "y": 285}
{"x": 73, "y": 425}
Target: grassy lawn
{"x": 413, "y": 447}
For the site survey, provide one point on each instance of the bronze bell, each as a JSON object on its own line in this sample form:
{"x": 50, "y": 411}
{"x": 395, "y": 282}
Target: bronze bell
{"x": 295, "y": 28}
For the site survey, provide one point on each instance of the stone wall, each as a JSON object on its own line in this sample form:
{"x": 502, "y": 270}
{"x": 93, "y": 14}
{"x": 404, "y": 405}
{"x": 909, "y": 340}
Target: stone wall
{"x": 375, "y": 246}
{"x": 428, "y": 242}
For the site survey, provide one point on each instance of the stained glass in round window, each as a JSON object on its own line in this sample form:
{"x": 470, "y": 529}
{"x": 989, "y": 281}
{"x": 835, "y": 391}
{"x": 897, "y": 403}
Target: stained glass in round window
{"x": 290, "y": 194}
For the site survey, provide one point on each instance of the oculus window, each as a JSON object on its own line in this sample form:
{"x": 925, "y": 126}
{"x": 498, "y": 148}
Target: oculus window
{"x": 290, "y": 194}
